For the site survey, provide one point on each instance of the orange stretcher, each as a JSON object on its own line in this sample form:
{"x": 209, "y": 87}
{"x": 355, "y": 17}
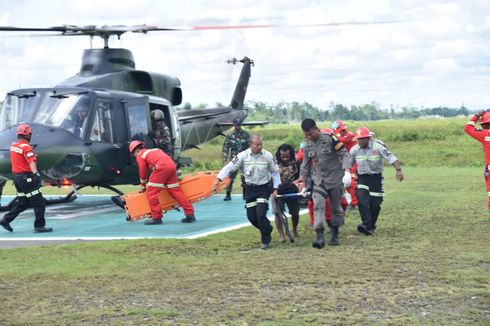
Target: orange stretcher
{"x": 195, "y": 186}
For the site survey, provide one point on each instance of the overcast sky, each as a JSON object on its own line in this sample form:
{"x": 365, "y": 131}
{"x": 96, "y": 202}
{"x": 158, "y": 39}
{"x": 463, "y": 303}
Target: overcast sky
{"x": 439, "y": 57}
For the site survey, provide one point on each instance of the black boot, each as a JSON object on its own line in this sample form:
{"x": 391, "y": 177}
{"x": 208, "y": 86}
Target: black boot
{"x": 6, "y": 225}
{"x": 189, "y": 219}
{"x": 153, "y": 221}
{"x": 319, "y": 243}
{"x": 334, "y": 240}
{"x": 364, "y": 229}
{"x": 228, "y": 196}
{"x": 42, "y": 230}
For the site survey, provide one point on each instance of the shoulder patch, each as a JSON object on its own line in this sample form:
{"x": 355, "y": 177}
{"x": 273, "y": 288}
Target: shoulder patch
{"x": 29, "y": 154}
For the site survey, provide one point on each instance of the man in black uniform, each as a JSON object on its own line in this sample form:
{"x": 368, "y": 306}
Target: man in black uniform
{"x": 27, "y": 182}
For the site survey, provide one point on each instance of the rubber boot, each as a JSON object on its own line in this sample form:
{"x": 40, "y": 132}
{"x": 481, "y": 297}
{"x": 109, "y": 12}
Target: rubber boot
{"x": 334, "y": 240}
{"x": 189, "y": 219}
{"x": 228, "y": 196}
{"x": 319, "y": 243}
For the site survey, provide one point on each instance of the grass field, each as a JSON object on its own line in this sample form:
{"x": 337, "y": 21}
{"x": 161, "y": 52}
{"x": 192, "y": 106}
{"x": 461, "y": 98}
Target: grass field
{"x": 428, "y": 264}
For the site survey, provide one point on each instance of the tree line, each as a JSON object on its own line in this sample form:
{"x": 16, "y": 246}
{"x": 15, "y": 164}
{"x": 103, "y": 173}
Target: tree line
{"x": 295, "y": 112}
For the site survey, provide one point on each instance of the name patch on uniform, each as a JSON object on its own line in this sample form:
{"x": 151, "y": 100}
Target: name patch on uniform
{"x": 30, "y": 154}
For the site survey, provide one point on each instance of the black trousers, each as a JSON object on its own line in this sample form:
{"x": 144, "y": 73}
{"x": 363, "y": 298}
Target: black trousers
{"x": 370, "y": 193}
{"x": 28, "y": 195}
{"x": 232, "y": 177}
{"x": 257, "y": 204}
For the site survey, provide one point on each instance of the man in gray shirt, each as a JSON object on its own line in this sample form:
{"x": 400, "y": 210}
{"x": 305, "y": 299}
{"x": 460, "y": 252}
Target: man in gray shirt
{"x": 323, "y": 156}
{"x": 369, "y": 155}
{"x": 261, "y": 172}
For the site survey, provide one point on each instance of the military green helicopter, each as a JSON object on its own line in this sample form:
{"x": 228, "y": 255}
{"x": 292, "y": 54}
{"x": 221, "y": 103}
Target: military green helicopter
{"x": 82, "y": 126}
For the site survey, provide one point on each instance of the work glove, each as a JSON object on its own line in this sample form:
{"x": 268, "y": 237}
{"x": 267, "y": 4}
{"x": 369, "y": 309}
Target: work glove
{"x": 347, "y": 179}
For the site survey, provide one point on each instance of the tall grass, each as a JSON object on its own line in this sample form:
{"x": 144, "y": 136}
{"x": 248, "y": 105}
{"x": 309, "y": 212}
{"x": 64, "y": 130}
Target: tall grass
{"x": 427, "y": 143}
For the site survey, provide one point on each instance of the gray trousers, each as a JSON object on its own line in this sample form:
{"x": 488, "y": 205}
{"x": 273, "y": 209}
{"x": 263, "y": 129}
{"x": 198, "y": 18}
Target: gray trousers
{"x": 319, "y": 196}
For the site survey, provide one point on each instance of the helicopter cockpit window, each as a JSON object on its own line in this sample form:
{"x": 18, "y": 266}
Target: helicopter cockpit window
{"x": 44, "y": 107}
{"x": 102, "y": 126}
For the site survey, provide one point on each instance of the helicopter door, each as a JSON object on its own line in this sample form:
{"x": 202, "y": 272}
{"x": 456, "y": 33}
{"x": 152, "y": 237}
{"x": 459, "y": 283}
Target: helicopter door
{"x": 138, "y": 118}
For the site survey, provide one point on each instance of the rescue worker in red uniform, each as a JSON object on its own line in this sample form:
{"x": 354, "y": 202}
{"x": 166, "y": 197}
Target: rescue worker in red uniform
{"x": 349, "y": 141}
{"x": 27, "y": 182}
{"x": 164, "y": 174}
{"x": 483, "y": 136}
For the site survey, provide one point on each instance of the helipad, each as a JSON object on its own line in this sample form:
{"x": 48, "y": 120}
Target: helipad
{"x": 92, "y": 217}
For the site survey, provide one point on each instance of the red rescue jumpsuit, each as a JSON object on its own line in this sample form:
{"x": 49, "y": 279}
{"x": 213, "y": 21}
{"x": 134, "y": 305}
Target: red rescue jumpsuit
{"x": 164, "y": 174}
{"x": 347, "y": 138}
{"x": 483, "y": 136}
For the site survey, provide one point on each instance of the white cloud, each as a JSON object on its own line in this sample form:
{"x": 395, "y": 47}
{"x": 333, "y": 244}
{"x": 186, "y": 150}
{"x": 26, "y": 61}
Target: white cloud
{"x": 439, "y": 58}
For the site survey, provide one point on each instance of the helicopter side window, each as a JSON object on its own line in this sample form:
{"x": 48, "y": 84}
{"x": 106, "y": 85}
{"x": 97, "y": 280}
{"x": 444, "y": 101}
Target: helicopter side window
{"x": 138, "y": 123}
{"x": 102, "y": 125}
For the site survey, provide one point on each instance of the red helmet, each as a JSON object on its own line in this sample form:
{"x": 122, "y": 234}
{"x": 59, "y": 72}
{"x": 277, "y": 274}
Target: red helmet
{"x": 485, "y": 118}
{"x": 362, "y": 132}
{"x": 327, "y": 131}
{"x": 338, "y": 125}
{"x": 24, "y": 129}
{"x": 134, "y": 144}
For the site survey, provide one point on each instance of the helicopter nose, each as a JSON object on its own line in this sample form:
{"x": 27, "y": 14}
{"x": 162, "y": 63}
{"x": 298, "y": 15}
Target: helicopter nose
{"x": 60, "y": 153}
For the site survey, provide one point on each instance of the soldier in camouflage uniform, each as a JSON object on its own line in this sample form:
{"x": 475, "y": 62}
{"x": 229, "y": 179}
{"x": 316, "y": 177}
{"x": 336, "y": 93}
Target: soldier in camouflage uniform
{"x": 160, "y": 132}
{"x": 235, "y": 142}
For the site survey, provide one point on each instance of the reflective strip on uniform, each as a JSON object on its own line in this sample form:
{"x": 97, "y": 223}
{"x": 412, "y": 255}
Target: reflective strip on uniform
{"x": 153, "y": 184}
{"x": 256, "y": 163}
{"x": 251, "y": 204}
{"x": 363, "y": 187}
{"x": 471, "y": 123}
{"x": 263, "y": 200}
{"x": 489, "y": 193}
{"x": 15, "y": 149}
{"x": 367, "y": 157}
{"x": 29, "y": 194}
{"x": 376, "y": 194}
{"x": 145, "y": 154}
{"x": 24, "y": 145}
{"x": 173, "y": 185}
{"x": 487, "y": 138}
{"x": 143, "y": 181}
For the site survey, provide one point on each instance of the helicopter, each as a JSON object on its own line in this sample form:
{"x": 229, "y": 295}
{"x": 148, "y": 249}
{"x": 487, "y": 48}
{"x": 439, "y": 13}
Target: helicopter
{"x": 81, "y": 128}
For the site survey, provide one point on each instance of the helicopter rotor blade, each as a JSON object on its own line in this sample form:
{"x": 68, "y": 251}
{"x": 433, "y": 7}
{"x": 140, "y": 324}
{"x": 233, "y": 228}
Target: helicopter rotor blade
{"x": 220, "y": 27}
{"x": 94, "y": 30}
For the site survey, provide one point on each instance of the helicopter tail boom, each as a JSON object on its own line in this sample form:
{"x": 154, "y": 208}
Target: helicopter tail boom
{"x": 241, "y": 87}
